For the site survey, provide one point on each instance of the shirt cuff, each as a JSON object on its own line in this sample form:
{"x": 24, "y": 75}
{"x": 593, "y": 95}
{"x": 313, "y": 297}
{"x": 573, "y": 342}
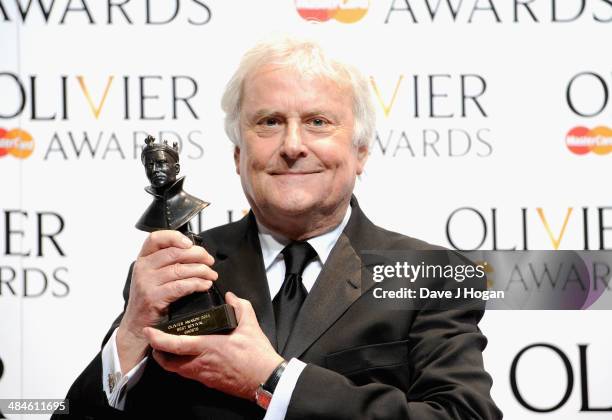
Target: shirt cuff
{"x": 282, "y": 394}
{"x": 114, "y": 383}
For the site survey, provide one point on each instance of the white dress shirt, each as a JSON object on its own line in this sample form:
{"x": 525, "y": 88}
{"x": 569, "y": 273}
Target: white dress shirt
{"x": 116, "y": 386}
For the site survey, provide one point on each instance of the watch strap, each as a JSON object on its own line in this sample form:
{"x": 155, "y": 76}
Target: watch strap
{"x": 274, "y": 378}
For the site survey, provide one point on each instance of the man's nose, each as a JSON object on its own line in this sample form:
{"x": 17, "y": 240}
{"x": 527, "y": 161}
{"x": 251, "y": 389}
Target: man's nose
{"x": 293, "y": 143}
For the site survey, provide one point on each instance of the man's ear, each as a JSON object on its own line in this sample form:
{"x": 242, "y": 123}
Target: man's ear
{"x": 237, "y": 159}
{"x": 362, "y": 157}
{"x": 177, "y": 168}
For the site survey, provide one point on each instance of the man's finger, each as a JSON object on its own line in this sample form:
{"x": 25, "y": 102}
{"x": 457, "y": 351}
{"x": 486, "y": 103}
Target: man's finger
{"x": 180, "y": 271}
{"x": 184, "y": 345}
{"x": 163, "y": 239}
{"x": 172, "y": 362}
{"x": 172, "y": 255}
{"x": 244, "y": 310}
{"x": 177, "y": 289}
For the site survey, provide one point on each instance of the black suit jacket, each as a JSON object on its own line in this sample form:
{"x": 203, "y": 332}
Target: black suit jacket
{"x": 363, "y": 362}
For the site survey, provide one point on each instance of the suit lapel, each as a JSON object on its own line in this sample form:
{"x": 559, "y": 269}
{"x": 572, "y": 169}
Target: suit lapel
{"x": 336, "y": 288}
{"x": 242, "y": 272}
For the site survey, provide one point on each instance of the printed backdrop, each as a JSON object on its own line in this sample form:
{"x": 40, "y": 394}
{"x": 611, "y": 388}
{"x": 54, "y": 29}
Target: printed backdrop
{"x": 494, "y": 132}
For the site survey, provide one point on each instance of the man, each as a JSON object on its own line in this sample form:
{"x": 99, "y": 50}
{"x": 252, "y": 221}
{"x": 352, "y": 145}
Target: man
{"x": 309, "y": 343}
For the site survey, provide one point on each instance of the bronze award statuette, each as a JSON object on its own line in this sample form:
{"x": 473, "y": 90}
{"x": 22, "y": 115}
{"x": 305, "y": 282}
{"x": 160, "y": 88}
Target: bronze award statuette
{"x": 172, "y": 208}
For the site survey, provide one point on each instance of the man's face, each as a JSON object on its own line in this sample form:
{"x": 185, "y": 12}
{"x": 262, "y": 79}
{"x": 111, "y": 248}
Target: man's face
{"x": 161, "y": 168}
{"x": 297, "y": 154}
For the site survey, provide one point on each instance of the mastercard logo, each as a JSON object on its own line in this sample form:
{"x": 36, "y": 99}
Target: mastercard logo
{"x": 581, "y": 140}
{"x": 16, "y": 142}
{"x": 344, "y": 11}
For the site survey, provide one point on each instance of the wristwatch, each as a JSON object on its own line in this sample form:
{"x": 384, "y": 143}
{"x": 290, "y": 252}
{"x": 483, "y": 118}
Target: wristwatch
{"x": 263, "y": 394}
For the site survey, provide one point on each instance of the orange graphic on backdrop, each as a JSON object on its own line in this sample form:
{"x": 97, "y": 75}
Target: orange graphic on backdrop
{"x": 345, "y": 11}
{"x": 581, "y": 140}
{"x": 16, "y": 142}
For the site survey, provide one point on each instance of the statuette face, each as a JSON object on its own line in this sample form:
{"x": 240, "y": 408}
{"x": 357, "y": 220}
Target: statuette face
{"x": 161, "y": 168}
{"x": 161, "y": 162}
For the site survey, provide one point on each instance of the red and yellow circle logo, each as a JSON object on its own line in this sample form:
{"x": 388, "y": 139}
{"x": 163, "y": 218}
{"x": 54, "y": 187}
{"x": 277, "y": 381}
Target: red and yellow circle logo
{"x": 581, "y": 140}
{"x": 16, "y": 142}
{"x": 344, "y": 11}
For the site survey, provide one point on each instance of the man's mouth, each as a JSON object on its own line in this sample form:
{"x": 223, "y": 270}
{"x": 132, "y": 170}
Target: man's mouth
{"x": 295, "y": 173}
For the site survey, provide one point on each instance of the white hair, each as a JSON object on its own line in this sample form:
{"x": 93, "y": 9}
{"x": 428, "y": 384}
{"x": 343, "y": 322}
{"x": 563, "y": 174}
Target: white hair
{"x": 308, "y": 58}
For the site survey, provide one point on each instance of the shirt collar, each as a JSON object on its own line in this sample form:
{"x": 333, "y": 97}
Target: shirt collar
{"x": 272, "y": 244}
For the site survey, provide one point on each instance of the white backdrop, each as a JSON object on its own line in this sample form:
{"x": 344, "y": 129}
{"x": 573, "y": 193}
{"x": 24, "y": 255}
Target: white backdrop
{"x": 86, "y": 85}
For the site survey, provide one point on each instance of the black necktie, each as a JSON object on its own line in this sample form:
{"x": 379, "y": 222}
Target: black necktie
{"x": 289, "y": 299}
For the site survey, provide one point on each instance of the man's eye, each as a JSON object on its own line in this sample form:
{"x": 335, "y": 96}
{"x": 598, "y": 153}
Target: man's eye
{"x": 318, "y": 122}
{"x": 269, "y": 122}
